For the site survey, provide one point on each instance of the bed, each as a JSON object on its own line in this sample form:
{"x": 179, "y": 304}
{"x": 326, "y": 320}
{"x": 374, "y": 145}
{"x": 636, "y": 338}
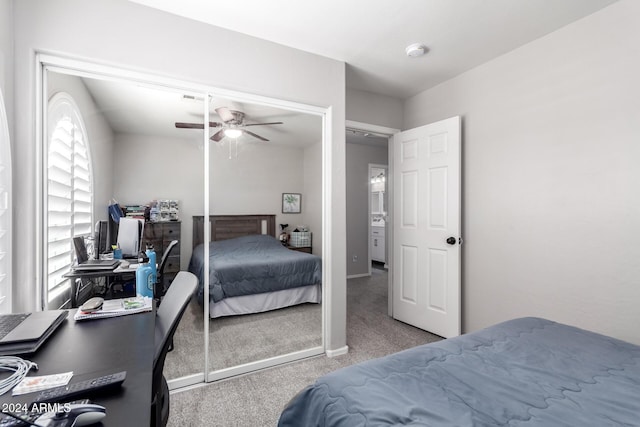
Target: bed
{"x": 250, "y": 271}
{"x": 524, "y": 372}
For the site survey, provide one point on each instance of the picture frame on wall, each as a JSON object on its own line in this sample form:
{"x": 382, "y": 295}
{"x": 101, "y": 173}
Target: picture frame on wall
{"x": 291, "y": 202}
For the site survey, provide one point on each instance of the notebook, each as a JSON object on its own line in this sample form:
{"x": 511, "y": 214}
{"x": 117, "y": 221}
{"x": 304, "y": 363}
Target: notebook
{"x": 25, "y": 333}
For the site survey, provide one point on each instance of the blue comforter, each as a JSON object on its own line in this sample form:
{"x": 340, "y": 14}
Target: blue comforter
{"x": 524, "y": 372}
{"x": 251, "y": 265}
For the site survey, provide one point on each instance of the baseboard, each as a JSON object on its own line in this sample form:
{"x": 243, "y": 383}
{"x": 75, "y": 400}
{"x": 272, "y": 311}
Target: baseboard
{"x": 338, "y": 352}
{"x": 355, "y": 276}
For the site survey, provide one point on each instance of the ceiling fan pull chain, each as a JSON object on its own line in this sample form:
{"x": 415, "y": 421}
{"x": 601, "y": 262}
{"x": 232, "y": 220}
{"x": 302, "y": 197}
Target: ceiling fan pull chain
{"x": 233, "y": 143}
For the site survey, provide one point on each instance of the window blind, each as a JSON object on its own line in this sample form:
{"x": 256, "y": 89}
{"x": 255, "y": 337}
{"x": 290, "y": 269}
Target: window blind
{"x": 69, "y": 195}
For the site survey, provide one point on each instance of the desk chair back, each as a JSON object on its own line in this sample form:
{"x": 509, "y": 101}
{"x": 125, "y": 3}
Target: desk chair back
{"x": 160, "y": 289}
{"x": 168, "y": 317}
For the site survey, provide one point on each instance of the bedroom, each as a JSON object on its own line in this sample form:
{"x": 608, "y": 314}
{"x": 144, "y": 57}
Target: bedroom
{"x": 503, "y": 252}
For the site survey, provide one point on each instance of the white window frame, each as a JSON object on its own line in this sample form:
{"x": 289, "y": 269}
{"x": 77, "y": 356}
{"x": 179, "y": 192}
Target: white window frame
{"x": 5, "y": 213}
{"x": 62, "y": 107}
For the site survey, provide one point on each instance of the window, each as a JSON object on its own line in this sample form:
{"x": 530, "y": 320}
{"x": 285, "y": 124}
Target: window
{"x": 69, "y": 190}
{"x": 5, "y": 213}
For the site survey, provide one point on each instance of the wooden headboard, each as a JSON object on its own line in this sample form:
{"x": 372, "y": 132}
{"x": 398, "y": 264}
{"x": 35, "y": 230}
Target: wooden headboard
{"x": 225, "y": 227}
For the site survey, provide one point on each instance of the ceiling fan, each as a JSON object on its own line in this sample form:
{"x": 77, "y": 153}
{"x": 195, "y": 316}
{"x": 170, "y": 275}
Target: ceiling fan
{"x": 233, "y": 125}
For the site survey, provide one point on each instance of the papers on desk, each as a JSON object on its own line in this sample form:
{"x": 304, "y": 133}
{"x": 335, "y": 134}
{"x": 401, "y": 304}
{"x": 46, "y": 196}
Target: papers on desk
{"x": 118, "y": 307}
{"x": 31, "y": 384}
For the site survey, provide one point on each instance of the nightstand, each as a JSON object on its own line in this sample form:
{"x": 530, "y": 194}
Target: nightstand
{"x": 306, "y": 249}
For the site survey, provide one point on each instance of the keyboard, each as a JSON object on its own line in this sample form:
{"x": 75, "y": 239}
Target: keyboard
{"x": 8, "y": 322}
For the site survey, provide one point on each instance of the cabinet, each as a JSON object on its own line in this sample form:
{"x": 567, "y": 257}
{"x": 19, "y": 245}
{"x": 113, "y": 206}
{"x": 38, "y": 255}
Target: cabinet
{"x": 300, "y": 242}
{"x": 160, "y": 234}
{"x": 377, "y": 244}
{"x": 306, "y": 249}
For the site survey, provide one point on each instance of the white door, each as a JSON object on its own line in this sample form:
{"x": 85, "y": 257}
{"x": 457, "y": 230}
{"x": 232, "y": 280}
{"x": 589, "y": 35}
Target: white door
{"x": 426, "y": 227}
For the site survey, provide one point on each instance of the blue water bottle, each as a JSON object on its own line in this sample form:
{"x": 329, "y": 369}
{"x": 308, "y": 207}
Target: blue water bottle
{"x": 144, "y": 279}
{"x": 151, "y": 253}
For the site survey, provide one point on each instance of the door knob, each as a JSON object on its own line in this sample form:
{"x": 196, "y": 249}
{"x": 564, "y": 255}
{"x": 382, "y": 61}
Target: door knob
{"x": 451, "y": 240}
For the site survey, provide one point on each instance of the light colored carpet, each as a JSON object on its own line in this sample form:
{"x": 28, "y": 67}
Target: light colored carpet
{"x": 257, "y": 399}
{"x": 235, "y": 340}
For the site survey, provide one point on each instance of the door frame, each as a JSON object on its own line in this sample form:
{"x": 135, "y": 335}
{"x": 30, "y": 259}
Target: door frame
{"x": 384, "y": 132}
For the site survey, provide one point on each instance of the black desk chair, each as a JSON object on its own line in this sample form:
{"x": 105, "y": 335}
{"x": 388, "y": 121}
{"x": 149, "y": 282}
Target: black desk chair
{"x": 160, "y": 288}
{"x": 168, "y": 317}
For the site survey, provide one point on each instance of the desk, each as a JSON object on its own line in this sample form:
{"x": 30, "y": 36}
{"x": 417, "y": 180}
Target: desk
{"x": 95, "y": 274}
{"x": 93, "y": 348}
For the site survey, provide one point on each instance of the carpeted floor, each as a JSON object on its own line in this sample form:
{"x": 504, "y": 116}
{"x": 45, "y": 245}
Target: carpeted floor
{"x": 235, "y": 340}
{"x": 257, "y": 399}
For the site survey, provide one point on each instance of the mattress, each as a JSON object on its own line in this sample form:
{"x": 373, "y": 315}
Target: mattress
{"x": 524, "y": 372}
{"x": 266, "y": 301}
{"x": 252, "y": 265}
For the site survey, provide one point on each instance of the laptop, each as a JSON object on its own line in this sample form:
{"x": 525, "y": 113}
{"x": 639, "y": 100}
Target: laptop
{"x": 25, "y": 332}
{"x": 97, "y": 265}
{"x": 86, "y": 264}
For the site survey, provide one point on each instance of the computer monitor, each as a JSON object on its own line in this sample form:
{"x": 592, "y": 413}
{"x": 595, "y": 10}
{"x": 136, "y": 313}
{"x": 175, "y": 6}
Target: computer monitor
{"x": 130, "y": 236}
{"x": 101, "y": 238}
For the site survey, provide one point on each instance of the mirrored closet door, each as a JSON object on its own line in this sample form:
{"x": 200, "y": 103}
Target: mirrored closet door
{"x": 235, "y": 180}
{"x": 265, "y": 299}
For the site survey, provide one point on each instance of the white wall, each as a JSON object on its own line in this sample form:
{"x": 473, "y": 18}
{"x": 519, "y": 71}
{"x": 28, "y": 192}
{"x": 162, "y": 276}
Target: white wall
{"x": 151, "y": 168}
{"x": 125, "y": 34}
{"x": 99, "y": 136}
{"x": 312, "y": 199}
{"x": 253, "y": 181}
{"x": 374, "y": 109}
{"x": 358, "y": 158}
{"x": 551, "y": 207}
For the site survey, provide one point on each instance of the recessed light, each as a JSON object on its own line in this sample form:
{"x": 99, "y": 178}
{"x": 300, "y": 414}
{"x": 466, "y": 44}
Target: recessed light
{"x": 415, "y": 50}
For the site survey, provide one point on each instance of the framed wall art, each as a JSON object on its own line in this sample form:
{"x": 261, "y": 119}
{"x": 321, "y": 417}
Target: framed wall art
{"x": 291, "y": 202}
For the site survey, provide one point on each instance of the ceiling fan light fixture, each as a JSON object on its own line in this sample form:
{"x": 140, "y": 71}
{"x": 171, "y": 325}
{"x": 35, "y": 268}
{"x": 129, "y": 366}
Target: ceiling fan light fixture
{"x": 232, "y": 133}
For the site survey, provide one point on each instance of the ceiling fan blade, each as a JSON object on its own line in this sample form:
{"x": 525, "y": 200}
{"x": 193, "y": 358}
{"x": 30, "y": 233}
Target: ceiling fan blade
{"x": 217, "y": 137}
{"x": 225, "y": 114}
{"x": 196, "y": 125}
{"x": 189, "y": 125}
{"x": 255, "y": 136}
{"x": 262, "y": 124}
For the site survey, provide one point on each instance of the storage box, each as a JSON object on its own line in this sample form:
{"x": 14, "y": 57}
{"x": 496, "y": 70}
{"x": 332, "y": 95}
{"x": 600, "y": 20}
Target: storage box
{"x": 300, "y": 239}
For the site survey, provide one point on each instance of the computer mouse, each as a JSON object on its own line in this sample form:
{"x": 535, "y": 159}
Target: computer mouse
{"x": 93, "y": 304}
{"x": 75, "y": 415}
{"x": 124, "y": 264}
{"x": 87, "y": 414}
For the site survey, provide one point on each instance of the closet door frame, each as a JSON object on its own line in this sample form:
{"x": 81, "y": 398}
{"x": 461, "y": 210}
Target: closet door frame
{"x": 85, "y": 68}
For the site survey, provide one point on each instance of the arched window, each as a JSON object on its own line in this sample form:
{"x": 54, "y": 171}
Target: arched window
{"x": 5, "y": 212}
{"x": 69, "y": 189}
